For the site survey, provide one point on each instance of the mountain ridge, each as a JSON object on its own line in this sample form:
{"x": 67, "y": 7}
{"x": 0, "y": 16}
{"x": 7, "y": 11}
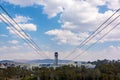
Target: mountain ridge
{"x": 51, "y": 61}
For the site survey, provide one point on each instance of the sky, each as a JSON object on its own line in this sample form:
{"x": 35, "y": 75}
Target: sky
{"x": 60, "y": 26}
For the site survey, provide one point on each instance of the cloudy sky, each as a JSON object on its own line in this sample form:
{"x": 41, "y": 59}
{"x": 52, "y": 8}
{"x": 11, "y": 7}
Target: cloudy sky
{"x": 60, "y": 25}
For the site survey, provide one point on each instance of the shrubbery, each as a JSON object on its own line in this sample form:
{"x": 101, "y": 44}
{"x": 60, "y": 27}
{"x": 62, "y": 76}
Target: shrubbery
{"x": 104, "y": 70}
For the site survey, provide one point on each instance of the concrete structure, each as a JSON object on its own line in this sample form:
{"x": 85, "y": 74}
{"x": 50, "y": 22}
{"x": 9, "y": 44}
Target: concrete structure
{"x": 56, "y": 59}
{"x": 2, "y": 66}
{"x": 79, "y": 64}
{"x": 54, "y": 65}
{"x": 45, "y": 65}
{"x": 72, "y": 63}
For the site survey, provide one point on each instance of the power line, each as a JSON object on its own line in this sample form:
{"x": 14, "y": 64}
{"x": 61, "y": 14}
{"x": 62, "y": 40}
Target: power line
{"x": 30, "y": 39}
{"x": 22, "y": 30}
{"x": 97, "y": 41}
{"x": 17, "y": 32}
{"x": 92, "y": 35}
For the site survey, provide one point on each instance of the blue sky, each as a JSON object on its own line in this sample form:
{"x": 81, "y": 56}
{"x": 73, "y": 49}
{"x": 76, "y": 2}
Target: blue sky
{"x": 60, "y": 26}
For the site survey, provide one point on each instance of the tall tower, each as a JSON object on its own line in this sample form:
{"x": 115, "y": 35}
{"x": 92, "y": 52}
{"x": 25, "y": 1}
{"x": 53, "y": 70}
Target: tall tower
{"x": 56, "y": 58}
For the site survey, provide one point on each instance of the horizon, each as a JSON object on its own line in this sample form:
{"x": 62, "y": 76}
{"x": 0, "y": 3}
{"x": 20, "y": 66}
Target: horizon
{"x": 17, "y": 60}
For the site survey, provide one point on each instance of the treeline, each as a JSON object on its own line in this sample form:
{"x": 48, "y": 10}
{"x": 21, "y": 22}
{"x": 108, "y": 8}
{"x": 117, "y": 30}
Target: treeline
{"x": 104, "y": 70}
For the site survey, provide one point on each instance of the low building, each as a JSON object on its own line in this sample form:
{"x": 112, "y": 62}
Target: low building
{"x": 79, "y": 64}
{"x": 2, "y": 66}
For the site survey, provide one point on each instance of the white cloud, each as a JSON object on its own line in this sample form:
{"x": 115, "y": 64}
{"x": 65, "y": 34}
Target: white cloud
{"x": 29, "y": 27}
{"x": 24, "y": 3}
{"x": 52, "y": 7}
{"x": 18, "y": 33}
{"x": 23, "y": 22}
{"x": 6, "y": 49}
{"x": 113, "y": 4}
{"x": 97, "y": 2}
{"x": 81, "y": 16}
{"x": 112, "y": 36}
{"x": 21, "y": 56}
{"x": 4, "y": 35}
{"x": 73, "y": 38}
{"x": 13, "y": 42}
{"x": 67, "y": 37}
{"x": 21, "y": 19}
{"x": 20, "y": 52}
{"x": 111, "y": 53}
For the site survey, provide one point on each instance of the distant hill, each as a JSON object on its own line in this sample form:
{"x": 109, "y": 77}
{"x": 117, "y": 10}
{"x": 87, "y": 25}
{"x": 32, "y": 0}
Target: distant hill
{"x": 51, "y": 61}
{"x": 7, "y": 61}
{"x": 48, "y": 61}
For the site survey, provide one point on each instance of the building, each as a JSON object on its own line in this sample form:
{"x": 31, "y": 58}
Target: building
{"x": 2, "y": 66}
{"x": 79, "y": 64}
{"x": 72, "y": 63}
{"x": 56, "y": 58}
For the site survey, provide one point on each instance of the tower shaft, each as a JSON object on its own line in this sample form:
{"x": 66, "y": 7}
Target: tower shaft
{"x": 56, "y": 58}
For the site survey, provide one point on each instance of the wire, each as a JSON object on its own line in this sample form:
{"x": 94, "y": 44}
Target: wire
{"x": 92, "y": 35}
{"x": 31, "y": 40}
{"x": 17, "y": 32}
{"x": 98, "y": 28}
{"x": 97, "y": 41}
